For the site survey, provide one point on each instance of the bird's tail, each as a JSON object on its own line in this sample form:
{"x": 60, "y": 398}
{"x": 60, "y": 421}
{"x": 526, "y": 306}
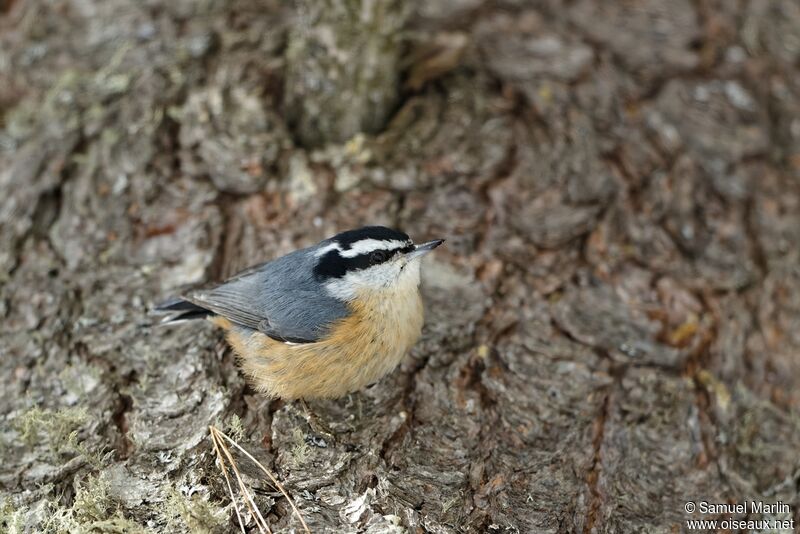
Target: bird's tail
{"x": 178, "y": 310}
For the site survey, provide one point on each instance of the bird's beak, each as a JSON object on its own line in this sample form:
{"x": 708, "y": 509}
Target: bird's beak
{"x": 424, "y": 248}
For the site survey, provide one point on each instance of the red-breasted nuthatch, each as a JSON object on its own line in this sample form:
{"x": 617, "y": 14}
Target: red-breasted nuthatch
{"x": 322, "y": 321}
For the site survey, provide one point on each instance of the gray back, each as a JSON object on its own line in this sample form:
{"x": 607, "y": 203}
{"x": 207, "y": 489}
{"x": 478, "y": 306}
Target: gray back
{"x": 281, "y": 298}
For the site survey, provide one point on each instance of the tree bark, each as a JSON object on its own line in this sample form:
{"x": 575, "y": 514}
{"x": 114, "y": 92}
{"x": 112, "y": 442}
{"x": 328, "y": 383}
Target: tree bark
{"x": 611, "y": 327}
{"x": 343, "y": 68}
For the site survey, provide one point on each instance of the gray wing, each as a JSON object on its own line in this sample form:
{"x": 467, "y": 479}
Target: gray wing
{"x": 280, "y": 298}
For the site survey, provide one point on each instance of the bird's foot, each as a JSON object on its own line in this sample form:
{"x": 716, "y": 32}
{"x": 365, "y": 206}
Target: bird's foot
{"x": 323, "y": 435}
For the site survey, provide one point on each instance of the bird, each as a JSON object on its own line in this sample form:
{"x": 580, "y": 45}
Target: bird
{"x": 322, "y": 321}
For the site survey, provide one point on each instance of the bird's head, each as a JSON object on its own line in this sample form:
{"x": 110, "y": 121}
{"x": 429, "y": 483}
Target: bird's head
{"x": 370, "y": 258}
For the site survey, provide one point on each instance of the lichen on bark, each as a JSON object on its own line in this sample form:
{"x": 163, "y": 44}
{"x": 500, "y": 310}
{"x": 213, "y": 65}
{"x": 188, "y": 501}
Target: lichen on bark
{"x": 611, "y": 328}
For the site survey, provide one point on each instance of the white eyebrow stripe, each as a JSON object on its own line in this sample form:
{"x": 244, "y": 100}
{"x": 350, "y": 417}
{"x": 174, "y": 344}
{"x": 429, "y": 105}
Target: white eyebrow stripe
{"x": 365, "y": 246}
{"x": 327, "y": 248}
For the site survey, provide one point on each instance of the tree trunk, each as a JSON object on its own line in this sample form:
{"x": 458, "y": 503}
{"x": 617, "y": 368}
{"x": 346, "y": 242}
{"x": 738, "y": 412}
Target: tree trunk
{"x": 342, "y": 68}
{"x": 611, "y": 327}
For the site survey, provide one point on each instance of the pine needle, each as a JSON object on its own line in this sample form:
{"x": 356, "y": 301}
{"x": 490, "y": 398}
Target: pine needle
{"x": 221, "y": 461}
{"x": 255, "y": 513}
{"x": 219, "y": 445}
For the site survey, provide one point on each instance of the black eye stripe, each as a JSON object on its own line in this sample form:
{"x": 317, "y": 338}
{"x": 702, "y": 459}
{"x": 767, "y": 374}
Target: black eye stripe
{"x": 333, "y": 265}
{"x": 377, "y": 256}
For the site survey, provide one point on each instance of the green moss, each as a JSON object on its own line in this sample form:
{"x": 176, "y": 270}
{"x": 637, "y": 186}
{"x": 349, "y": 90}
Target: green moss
{"x": 94, "y": 511}
{"x": 12, "y": 520}
{"x": 235, "y": 428}
{"x": 59, "y": 429}
{"x": 300, "y": 448}
{"x": 193, "y": 514}
{"x": 92, "y": 502}
{"x": 63, "y": 521}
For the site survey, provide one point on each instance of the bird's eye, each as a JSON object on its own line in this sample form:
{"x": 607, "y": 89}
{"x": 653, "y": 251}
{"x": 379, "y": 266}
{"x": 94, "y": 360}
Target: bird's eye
{"x": 378, "y": 256}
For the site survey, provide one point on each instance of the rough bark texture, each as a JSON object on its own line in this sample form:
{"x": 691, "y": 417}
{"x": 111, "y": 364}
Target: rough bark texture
{"x": 343, "y": 67}
{"x": 612, "y": 329}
